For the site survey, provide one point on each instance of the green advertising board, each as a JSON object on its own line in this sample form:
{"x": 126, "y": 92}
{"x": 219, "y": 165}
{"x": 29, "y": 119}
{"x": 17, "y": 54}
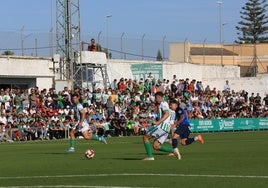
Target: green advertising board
{"x": 237, "y": 124}
{"x": 143, "y": 70}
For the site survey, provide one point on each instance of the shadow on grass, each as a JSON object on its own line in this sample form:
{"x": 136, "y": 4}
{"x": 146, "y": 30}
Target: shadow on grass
{"x": 58, "y": 153}
{"x": 128, "y": 159}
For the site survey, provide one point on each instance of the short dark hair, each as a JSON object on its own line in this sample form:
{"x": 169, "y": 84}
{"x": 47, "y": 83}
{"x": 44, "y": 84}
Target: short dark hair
{"x": 159, "y": 93}
{"x": 173, "y": 101}
{"x": 75, "y": 95}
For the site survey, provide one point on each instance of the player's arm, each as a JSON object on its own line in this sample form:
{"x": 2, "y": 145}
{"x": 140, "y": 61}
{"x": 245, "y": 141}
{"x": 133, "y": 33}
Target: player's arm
{"x": 82, "y": 118}
{"x": 178, "y": 121}
{"x": 163, "y": 118}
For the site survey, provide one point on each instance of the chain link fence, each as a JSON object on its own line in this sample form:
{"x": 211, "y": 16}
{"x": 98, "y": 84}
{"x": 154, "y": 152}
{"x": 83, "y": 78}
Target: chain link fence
{"x": 121, "y": 47}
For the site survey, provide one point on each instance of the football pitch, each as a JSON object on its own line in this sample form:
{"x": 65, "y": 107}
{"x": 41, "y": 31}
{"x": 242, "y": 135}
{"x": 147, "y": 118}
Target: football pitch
{"x": 238, "y": 159}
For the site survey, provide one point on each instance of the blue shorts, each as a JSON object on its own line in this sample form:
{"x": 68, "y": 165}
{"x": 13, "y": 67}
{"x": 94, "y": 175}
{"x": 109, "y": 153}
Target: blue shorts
{"x": 183, "y": 131}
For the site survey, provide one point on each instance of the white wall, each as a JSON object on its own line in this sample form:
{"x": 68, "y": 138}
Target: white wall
{"x": 249, "y": 84}
{"x": 28, "y": 67}
{"x": 44, "y": 83}
{"x": 213, "y": 75}
{"x": 25, "y": 66}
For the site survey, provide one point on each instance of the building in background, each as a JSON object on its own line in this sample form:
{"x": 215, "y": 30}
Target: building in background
{"x": 251, "y": 58}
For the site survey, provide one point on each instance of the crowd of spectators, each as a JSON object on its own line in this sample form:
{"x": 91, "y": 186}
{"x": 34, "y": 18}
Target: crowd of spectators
{"x": 125, "y": 108}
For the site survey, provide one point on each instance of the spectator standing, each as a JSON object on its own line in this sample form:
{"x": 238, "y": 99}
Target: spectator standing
{"x": 180, "y": 85}
{"x": 113, "y": 85}
{"x": 18, "y": 102}
{"x": 226, "y": 87}
{"x": 32, "y": 99}
{"x": 92, "y": 46}
{"x": 257, "y": 99}
{"x": 150, "y": 76}
{"x": 265, "y": 100}
{"x": 97, "y": 96}
{"x": 173, "y": 87}
{"x": 251, "y": 99}
{"x": 110, "y": 107}
{"x": 55, "y": 99}
{"x": 7, "y": 100}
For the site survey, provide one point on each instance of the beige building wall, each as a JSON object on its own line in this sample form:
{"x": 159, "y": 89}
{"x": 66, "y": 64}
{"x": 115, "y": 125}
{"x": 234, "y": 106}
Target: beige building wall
{"x": 236, "y": 54}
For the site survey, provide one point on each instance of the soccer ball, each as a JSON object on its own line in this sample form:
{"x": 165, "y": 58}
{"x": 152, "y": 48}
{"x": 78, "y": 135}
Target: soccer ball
{"x": 89, "y": 154}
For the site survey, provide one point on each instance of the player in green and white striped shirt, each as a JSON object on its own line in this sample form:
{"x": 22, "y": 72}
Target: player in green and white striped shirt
{"x": 81, "y": 125}
{"x": 160, "y": 130}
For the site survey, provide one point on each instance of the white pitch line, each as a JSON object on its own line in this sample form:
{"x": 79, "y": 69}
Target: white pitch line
{"x": 67, "y": 186}
{"x": 150, "y": 174}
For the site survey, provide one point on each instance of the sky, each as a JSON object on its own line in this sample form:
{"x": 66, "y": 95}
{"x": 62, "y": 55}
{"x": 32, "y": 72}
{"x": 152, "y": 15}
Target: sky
{"x": 177, "y": 20}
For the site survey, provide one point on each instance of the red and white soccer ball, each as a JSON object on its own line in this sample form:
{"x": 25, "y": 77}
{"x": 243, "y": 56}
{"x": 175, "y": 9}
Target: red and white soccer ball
{"x": 89, "y": 154}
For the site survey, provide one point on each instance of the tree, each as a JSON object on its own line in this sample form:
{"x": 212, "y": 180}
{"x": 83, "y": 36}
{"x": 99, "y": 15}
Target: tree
{"x": 253, "y": 27}
{"x": 159, "y": 56}
{"x": 8, "y": 52}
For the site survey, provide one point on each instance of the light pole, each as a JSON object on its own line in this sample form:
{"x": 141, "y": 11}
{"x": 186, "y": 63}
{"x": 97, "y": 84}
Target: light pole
{"x": 107, "y": 33}
{"x": 220, "y": 28}
{"x": 164, "y": 38}
{"x": 222, "y": 42}
{"x": 23, "y": 37}
{"x": 22, "y": 40}
{"x": 99, "y": 38}
{"x": 204, "y": 51}
{"x": 142, "y": 49}
{"x": 35, "y": 44}
{"x": 122, "y": 44}
{"x": 220, "y": 20}
{"x": 184, "y": 46}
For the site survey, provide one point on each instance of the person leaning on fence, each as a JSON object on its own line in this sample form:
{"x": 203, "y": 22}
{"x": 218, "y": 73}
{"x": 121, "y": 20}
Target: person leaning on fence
{"x": 92, "y": 46}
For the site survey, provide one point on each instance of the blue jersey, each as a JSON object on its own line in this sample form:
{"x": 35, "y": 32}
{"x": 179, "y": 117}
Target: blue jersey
{"x": 179, "y": 112}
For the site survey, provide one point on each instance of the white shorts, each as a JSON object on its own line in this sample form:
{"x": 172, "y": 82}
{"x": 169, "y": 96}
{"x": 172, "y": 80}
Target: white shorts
{"x": 85, "y": 127}
{"x": 159, "y": 134}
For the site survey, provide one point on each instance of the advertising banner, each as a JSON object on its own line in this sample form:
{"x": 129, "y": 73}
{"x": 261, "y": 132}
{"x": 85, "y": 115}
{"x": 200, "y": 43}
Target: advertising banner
{"x": 238, "y": 124}
{"x": 143, "y": 70}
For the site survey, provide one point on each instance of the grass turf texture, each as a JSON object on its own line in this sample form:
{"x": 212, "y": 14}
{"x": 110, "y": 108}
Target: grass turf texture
{"x": 237, "y": 159}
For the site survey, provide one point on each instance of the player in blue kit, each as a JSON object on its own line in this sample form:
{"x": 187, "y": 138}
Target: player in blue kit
{"x": 182, "y": 128}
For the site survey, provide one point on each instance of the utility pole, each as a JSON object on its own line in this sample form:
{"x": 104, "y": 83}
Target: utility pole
{"x": 68, "y": 39}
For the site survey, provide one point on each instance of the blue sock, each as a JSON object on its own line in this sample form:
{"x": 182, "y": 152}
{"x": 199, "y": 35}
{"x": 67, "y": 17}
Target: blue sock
{"x": 174, "y": 143}
{"x": 189, "y": 141}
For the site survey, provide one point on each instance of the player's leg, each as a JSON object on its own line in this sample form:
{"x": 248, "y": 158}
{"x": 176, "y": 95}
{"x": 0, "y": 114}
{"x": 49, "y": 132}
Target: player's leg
{"x": 72, "y": 141}
{"x": 148, "y": 147}
{"x": 87, "y": 134}
{"x": 185, "y": 140}
{"x": 160, "y": 136}
{"x": 175, "y": 136}
{"x": 176, "y": 152}
{"x": 158, "y": 146}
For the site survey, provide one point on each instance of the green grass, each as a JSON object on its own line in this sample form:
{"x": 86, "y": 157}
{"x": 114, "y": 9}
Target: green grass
{"x": 237, "y": 159}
